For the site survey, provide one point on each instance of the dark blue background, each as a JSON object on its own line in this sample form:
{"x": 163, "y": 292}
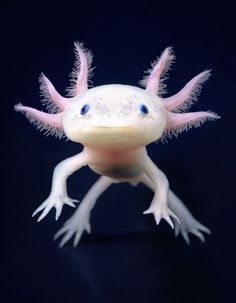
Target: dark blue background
{"x": 127, "y": 257}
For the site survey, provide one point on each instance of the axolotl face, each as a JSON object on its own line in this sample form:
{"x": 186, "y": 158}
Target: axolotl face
{"x": 115, "y": 116}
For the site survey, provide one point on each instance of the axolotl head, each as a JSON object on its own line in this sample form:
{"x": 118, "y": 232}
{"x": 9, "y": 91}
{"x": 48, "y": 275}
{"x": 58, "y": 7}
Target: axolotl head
{"x": 115, "y": 115}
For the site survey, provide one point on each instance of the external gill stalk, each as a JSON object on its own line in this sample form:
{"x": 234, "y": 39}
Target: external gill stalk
{"x": 82, "y": 70}
{"x": 55, "y": 103}
{"x": 177, "y": 123}
{"x": 52, "y": 99}
{"x": 188, "y": 94}
{"x": 50, "y": 123}
{"x": 180, "y": 102}
{"x": 158, "y": 73}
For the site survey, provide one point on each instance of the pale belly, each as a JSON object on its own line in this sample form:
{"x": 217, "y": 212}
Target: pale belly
{"x": 117, "y": 164}
{"x": 117, "y": 172}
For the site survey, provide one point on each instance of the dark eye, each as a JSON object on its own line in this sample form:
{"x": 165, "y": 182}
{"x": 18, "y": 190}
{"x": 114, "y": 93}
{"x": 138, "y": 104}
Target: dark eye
{"x": 143, "y": 108}
{"x": 84, "y": 109}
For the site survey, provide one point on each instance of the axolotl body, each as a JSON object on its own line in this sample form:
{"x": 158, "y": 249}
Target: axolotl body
{"x": 115, "y": 123}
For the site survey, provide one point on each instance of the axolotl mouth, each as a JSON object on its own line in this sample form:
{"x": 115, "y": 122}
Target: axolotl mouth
{"x": 113, "y": 136}
{"x": 127, "y": 131}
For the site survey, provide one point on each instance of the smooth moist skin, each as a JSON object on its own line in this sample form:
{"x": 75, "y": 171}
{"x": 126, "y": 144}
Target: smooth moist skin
{"x": 115, "y": 123}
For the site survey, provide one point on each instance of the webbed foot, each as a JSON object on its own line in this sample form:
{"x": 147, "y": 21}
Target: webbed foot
{"x": 162, "y": 212}
{"x": 73, "y": 227}
{"x": 54, "y": 200}
{"x": 191, "y": 225}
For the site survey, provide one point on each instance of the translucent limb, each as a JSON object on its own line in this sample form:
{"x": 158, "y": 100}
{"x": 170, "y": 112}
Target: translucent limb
{"x": 158, "y": 206}
{"x": 161, "y": 212}
{"x": 79, "y": 222}
{"x": 54, "y": 201}
{"x": 58, "y": 196}
{"x": 187, "y": 223}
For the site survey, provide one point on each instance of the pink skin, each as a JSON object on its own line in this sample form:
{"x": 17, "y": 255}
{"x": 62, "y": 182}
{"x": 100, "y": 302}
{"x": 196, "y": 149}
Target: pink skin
{"x": 54, "y": 120}
{"x": 188, "y": 94}
{"x": 175, "y": 120}
{"x": 81, "y": 73}
{"x": 49, "y": 91}
{"x": 82, "y": 70}
{"x": 160, "y": 67}
{"x": 176, "y": 123}
{"x": 82, "y": 82}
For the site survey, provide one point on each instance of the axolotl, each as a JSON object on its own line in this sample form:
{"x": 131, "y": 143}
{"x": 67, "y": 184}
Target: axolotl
{"x": 115, "y": 123}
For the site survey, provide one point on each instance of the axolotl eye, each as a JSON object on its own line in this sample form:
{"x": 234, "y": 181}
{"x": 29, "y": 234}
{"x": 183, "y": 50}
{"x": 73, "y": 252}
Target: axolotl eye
{"x": 143, "y": 108}
{"x": 84, "y": 109}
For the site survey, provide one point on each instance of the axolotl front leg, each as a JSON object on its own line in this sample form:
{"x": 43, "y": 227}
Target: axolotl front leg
{"x": 159, "y": 205}
{"x": 58, "y": 195}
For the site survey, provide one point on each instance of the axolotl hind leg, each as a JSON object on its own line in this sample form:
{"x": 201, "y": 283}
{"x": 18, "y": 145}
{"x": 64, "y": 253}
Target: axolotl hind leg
{"x": 188, "y": 224}
{"x": 79, "y": 222}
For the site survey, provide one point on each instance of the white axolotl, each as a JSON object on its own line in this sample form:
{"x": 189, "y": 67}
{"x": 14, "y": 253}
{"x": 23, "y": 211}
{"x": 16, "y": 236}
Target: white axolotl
{"x": 114, "y": 123}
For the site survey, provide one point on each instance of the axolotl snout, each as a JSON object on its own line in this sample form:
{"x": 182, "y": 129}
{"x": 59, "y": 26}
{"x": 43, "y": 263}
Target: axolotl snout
{"x": 115, "y": 123}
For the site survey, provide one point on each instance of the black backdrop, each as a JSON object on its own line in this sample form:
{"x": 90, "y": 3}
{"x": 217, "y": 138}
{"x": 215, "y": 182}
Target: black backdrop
{"x": 127, "y": 257}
